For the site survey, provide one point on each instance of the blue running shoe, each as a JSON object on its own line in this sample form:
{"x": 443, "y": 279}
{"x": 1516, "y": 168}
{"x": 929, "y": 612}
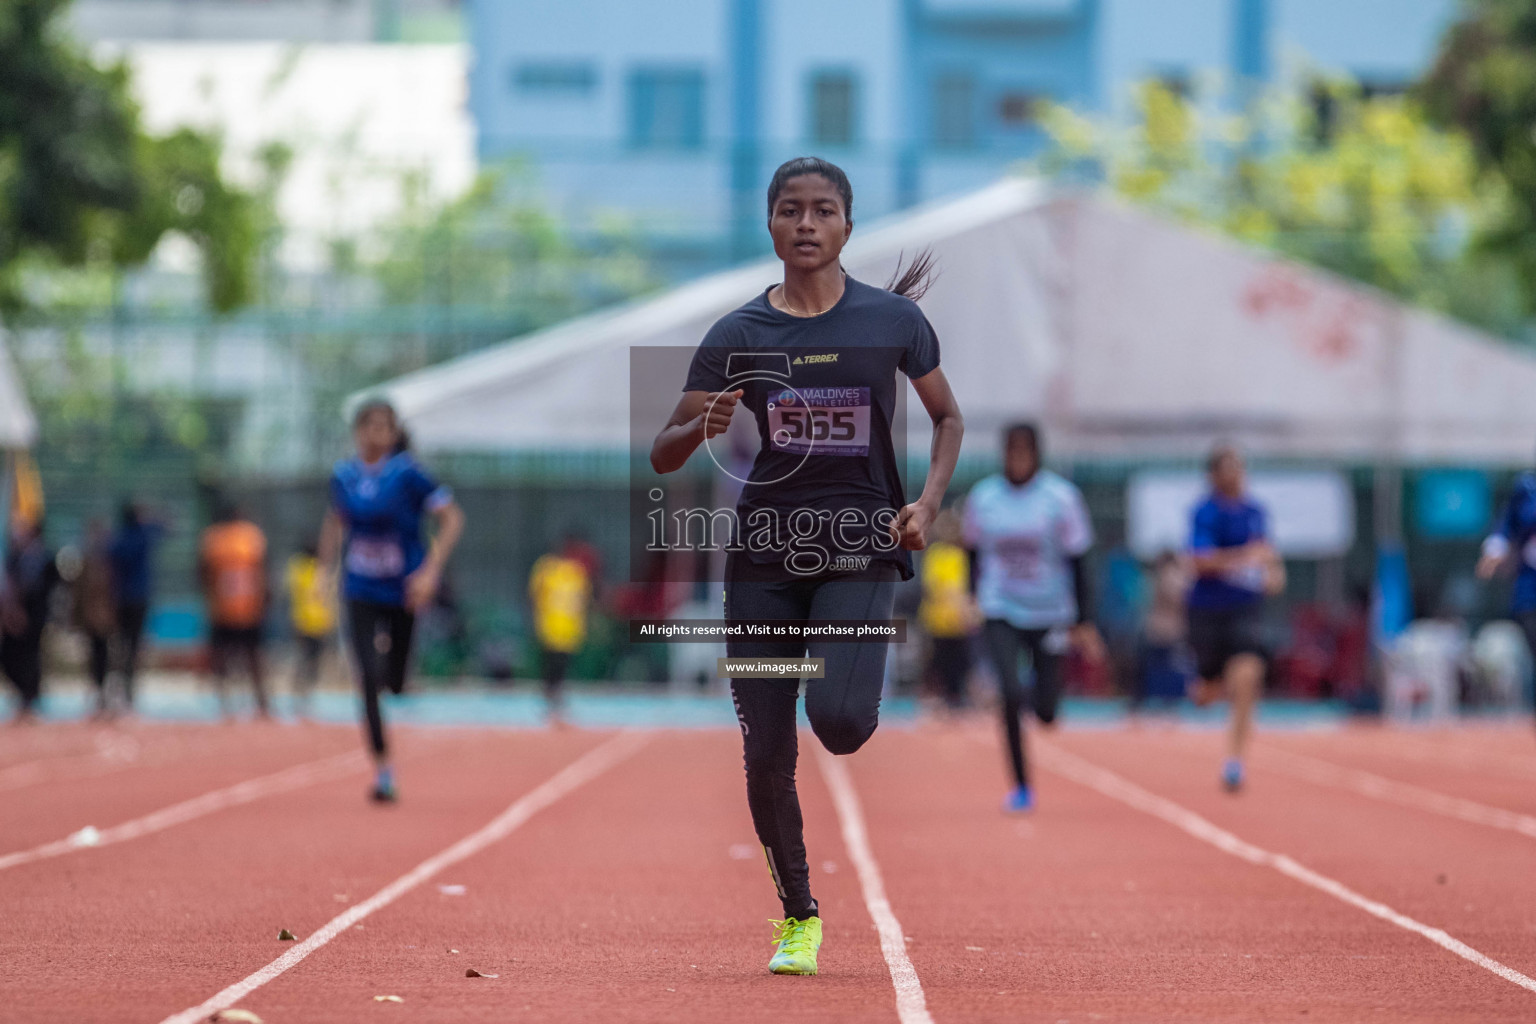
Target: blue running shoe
{"x": 1020, "y": 801}
{"x": 384, "y": 787}
{"x": 1232, "y": 775}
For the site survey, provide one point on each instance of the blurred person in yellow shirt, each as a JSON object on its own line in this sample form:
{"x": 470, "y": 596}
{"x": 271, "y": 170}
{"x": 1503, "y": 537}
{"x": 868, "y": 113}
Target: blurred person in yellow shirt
{"x": 948, "y": 612}
{"x": 560, "y": 591}
{"x": 312, "y": 614}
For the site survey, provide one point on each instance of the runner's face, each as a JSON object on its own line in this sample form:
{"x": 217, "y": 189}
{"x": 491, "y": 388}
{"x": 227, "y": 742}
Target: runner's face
{"x": 1020, "y": 461}
{"x": 1228, "y": 476}
{"x": 808, "y": 223}
{"x": 375, "y": 435}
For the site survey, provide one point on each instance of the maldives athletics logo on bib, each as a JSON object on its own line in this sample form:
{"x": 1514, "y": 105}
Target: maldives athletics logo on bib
{"x": 823, "y": 421}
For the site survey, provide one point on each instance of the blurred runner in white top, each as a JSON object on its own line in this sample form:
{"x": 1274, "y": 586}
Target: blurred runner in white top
{"x": 1025, "y": 537}
{"x": 1028, "y": 531}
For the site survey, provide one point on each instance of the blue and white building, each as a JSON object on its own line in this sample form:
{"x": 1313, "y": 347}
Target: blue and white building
{"x": 675, "y": 112}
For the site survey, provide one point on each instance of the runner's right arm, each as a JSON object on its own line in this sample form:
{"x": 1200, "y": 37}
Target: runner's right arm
{"x": 699, "y": 415}
{"x": 329, "y": 551}
{"x": 1210, "y": 560}
{"x": 1497, "y": 547}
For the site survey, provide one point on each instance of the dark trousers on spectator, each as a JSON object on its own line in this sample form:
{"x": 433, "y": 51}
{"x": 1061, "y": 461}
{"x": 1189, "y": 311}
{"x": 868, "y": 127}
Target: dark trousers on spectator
{"x": 21, "y": 658}
{"x": 131, "y": 616}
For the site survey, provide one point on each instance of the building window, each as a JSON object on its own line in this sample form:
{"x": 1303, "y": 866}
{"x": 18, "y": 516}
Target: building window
{"x": 954, "y": 111}
{"x": 1017, "y": 109}
{"x": 555, "y": 78}
{"x": 666, "y": 108}
{"x": 834, "y": 108}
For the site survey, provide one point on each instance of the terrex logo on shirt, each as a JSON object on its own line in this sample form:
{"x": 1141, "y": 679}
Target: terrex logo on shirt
{"x": 826, "y": 357}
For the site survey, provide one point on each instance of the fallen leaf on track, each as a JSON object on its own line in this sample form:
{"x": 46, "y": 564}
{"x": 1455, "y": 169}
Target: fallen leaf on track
{"x": 388, "y": 999}
{"x": 472, "y": 973}
{"x": 245, "y": 1016}
{"x": 284, "y": 935}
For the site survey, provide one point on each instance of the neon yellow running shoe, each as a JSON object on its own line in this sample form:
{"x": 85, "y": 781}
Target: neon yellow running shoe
{"x": 798, "y": 942}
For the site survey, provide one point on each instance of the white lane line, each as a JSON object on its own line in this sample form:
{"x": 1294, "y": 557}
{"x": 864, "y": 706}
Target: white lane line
{"x": 297, "y": 777}
{"x": 112, "y": 752}
{"x": 1425, "y": 750}
{"x": 911, "y": 1004}
{"x": 584, "y": 769}
{"x": 1111, "y": 785}
{"x": 1326, "y": 773}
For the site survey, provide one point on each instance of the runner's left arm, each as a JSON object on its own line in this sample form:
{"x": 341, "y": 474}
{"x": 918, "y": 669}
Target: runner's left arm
{"x": 1269, "y": 555}
{"x": 448, "y": 527}
{"x": 912, "y": 522}
{"x": 1085, "y": 633}
{"x": 1075, "y": 537}
{"x": 1080, "y": 590}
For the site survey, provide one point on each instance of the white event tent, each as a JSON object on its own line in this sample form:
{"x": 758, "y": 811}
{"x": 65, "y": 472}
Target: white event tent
{"x": 1127, "y": 336}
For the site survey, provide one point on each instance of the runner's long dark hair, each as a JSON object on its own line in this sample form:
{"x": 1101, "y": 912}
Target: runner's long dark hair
{"x": 912, "y": 280}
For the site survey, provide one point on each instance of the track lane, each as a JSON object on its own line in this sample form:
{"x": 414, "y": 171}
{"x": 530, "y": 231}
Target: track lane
{"x": 21, "y": 743}
{"x": 1470, "y": 880}
{"x": 1086, "y": 911}
{"x": 209, "y": 759}
{"x": 1500, "y": 770}
{"x": 147, "y": 928}
{"x": 624, "y": 902}
{"x": 1089, "y": 910}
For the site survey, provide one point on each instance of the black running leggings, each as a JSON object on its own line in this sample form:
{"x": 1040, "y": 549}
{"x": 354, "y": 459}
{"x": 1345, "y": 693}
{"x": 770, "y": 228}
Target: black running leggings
{"x": 1005, "y": 642}
{"x": 843, "y": 707}
{"x": 381, "y": 643}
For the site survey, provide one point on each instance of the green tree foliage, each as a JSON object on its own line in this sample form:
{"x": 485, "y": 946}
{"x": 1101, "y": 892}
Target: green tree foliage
{"x": 1363, "y": 186}
{"x": 500, "y": 247}
{"x": 1484, "y": 83}
{"x": 83, "y": 186}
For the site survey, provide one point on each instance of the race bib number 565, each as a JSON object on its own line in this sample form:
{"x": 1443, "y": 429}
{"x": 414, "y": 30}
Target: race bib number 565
{"x": 826, "y": 421}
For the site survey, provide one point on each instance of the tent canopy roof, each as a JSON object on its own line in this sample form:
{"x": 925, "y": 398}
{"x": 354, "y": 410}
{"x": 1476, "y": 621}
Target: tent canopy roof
{"x": 1125, "y": 335}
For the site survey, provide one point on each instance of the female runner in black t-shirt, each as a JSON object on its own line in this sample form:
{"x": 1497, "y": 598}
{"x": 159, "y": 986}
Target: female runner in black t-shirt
{"x": 825, "y": 529}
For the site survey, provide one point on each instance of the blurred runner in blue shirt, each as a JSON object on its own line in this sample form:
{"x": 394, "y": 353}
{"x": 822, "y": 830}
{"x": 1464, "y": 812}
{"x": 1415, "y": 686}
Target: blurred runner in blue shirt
{"x": 1514, "y": 539}
{"x": 1236, "y": 566}
{"x": 380, "y": 500}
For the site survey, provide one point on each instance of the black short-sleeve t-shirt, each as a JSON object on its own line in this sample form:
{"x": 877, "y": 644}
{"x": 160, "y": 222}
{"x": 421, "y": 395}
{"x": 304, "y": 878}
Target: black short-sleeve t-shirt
{"x": 823, "y": 391}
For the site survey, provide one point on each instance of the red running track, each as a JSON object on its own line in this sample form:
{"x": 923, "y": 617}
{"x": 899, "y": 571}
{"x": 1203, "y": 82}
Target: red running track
{"x": 638, "y": 894}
